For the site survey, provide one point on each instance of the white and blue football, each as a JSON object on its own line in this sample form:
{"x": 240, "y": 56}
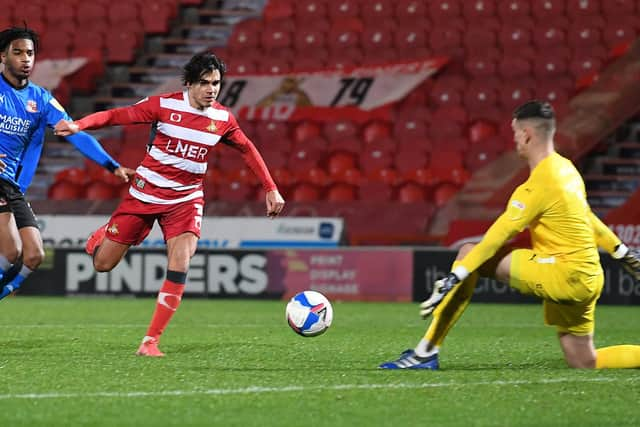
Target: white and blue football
{"x": 309, "y": 313}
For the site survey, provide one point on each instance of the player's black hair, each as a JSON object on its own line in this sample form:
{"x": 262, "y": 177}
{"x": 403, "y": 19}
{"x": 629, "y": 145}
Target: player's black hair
{"x": 534, "y": 109}
{"x": 17, "y": 33}
{"x": 202, "y": 63}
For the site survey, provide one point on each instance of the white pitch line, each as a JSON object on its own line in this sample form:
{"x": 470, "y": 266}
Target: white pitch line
{"x": 125, "y": 326}
{"x": 286, "y": 389}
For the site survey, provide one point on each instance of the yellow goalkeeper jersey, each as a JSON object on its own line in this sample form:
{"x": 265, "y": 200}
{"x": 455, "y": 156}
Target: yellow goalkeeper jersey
{"x": 553, "y": 204}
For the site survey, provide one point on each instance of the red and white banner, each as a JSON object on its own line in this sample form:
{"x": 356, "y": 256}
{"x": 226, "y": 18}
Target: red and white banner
{"x": 358, "y": 93}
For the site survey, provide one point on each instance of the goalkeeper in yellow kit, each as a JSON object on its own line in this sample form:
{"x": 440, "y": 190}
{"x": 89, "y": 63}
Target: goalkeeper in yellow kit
{"x": 563, "y": 266}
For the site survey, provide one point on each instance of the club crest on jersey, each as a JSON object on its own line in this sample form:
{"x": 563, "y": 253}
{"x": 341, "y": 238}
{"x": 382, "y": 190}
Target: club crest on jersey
{"x": 113, "y": 229}
{"x": 212, "y": 127}
{"x": 140, "y": 182}
{"x": 32, "y": 107}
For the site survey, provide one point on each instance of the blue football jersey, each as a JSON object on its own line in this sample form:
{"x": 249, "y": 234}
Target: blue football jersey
{"x": 24, "y": 114}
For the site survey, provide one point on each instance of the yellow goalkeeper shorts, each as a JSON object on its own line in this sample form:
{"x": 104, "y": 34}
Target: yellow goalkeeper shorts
{"x": 569, "y": 294}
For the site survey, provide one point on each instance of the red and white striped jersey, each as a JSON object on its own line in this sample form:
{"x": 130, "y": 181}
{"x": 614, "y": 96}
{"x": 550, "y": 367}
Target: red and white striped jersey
{"x": 174, "y": 167}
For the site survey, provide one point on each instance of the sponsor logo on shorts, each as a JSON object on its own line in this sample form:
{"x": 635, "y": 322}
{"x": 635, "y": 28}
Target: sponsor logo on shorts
{"x": 113, "y": 229}
{"x": 517, "y": 204}
{"x": 140, "y": 182}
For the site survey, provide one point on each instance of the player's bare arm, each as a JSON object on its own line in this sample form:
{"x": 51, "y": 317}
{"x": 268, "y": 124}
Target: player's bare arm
{"x": 125, "y": 174}
{"x": 275, "y": 203}
{"x": 65, "y": 128}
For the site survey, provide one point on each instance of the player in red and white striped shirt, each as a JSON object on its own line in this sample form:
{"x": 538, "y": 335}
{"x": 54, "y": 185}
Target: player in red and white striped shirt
{"x": 168, "y": 184}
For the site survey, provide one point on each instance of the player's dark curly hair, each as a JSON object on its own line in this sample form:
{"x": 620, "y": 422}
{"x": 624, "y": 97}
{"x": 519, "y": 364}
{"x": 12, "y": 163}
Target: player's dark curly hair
{"x": 17, "y": 33}
{"x": 202, "y": 63}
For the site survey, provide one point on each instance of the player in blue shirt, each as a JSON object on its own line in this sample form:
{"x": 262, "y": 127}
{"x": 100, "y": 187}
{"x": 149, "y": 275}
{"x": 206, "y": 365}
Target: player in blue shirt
{"x": 26, "y": 110}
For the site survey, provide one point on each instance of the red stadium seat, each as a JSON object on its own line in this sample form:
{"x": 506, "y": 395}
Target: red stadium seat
{"x": 548, "y": 36}
{"x": 65, "y": 191}
{"x": 305, "y": 193}
{"x": 155, "y": 16}
{"x": 411, "y": 11}
{"x": 100, "y": 191}
{"x": 577, "y": 8}
{"x": 344, "y": 35}
{"x": 375, "y": 130}
{"x": 444, "y": 10}
{"x": 480, "y": 95}
{"x": 73, "y": 175}
{"x": 444, "y": 38}
{"x": 555, "y": 91}
{"x": 375, "y": 192}
{"x": 351, "y": 145}
{"x": 310, "y": 10}
{"x": 341, "y": 192}
{"x": 271, "y": 130}
{"x": 514, "y": 10}
{"x": 343, "y": 9}
{"x": 480, "y": 66}
{"x": 406, "y": 161}
{"x": 443, "y": 193}
{"x": 273, "y": 37}
{"x": 375, "y": 39}
{"x": 338, "y": 163}
{"x": 584, "y": 36}
{"x": 409, "y": 129}
{"x": 479, "y": 11}
{"x": 303, "y": 159}
{"x": 515, "y": 37}
{"x": 619, "y": 9}
{"x": 547, "y": 9}
{"x": 373, "y": 160}
{"x": 245, "y": 35}
{"x": 514, "y": 67}
{"x": 409, "y": 37}
{"x": 386, "y": 175}
{"x": 622, "y": 31}
{"x": 411, "y": 193}
{"x": 481, "y": 130}
{"x": 309, "y": 39}
{"x": 316, "y": 176}
{"x": 581, "y": 66}
{"x": 479, "y": 38}
{"x": 274, "y": 65}
{"x": 515, "y": 93}
{"x": 62, "y": 15}
{"x": 239, "y": 66}
{"x": 339, "y": 129}
{"x": 447, "y": 92}
{"x": 275, "y": 10}
{"x": 352, "y": 176}
{"x": 119, "y": 12}
{"x": 547, "y": 67}
{"x": 376, "y": 11}
{"x": 306, "y": 130}
{"x": 235, "y": 191}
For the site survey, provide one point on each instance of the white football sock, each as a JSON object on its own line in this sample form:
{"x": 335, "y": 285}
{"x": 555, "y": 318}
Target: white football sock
{"x": 425, "y": 349}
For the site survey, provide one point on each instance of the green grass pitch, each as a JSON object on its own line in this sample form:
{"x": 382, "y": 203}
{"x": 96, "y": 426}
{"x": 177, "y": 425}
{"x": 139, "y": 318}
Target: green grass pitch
{"x": 70, "y": 362}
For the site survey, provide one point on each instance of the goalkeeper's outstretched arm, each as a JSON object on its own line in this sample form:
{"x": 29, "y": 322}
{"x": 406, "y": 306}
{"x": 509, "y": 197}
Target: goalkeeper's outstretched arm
{"x": 607, "y": 240}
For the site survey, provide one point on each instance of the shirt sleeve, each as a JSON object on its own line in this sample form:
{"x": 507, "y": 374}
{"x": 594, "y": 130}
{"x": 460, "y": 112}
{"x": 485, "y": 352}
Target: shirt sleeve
{"x": 54, "y": 112}
{"x": 605, "y": 238}
{"x": 524, "y": 206}
{"x": 236, "y": 138}
{"x": 145, "y": 111}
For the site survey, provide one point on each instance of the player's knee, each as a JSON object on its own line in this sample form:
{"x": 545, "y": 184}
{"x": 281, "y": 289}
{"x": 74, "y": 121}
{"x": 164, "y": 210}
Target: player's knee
{"x": 102, "y": 265}
{"x": 33, "y": 258}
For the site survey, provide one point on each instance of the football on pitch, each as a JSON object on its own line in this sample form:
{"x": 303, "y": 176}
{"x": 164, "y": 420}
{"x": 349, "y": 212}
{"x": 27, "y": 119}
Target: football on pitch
{"x": 309, "y": 313}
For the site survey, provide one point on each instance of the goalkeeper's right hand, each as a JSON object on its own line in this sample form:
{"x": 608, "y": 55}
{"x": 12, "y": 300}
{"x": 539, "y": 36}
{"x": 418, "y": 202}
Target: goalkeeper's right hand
{"x": 631, "y": 262}
{"x": 440, "y": 289}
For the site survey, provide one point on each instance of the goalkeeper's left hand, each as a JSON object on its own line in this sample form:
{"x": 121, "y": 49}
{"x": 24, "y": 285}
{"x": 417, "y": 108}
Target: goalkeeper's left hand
{"x": 631, "y": 262}
{"x": 440, "y": 289}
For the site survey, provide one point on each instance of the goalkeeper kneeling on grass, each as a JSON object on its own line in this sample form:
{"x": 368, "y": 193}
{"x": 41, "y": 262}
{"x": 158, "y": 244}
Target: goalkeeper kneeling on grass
{"x": 562, "y": 268}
